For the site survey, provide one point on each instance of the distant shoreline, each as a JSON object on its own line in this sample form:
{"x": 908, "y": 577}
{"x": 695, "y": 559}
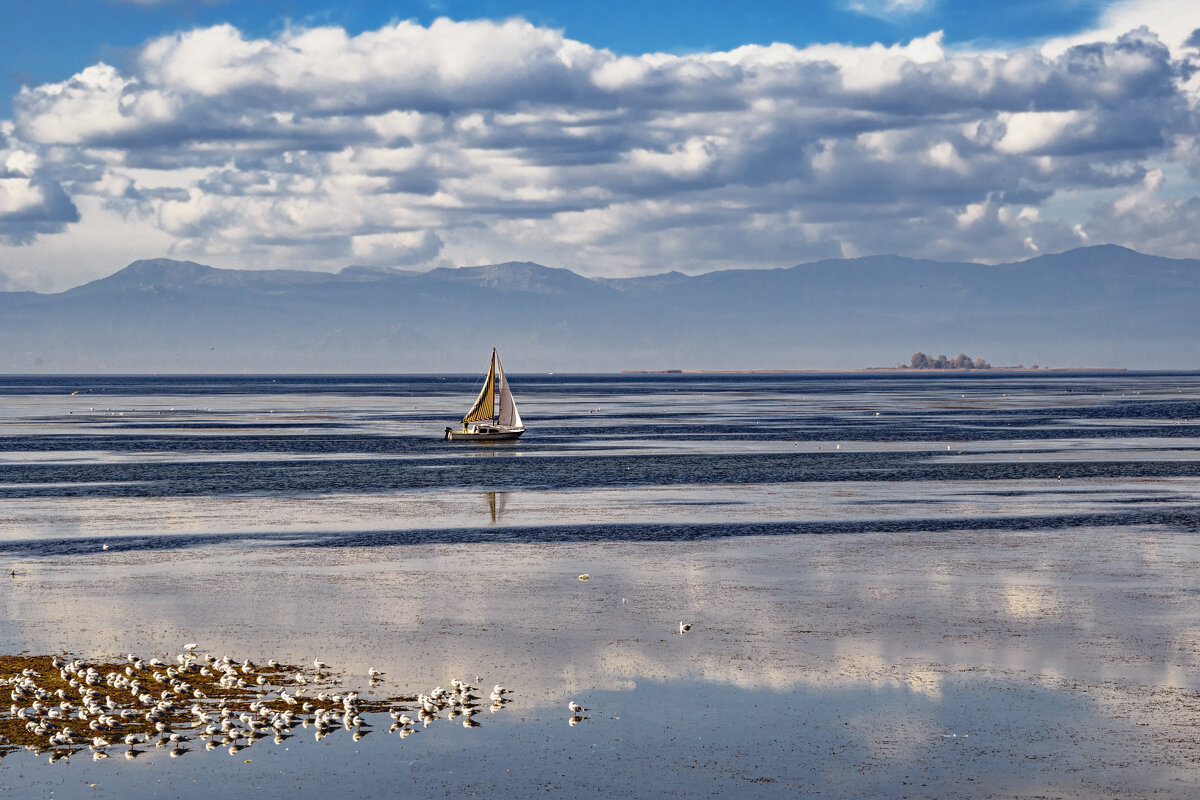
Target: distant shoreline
{"x": 863, "y": 370}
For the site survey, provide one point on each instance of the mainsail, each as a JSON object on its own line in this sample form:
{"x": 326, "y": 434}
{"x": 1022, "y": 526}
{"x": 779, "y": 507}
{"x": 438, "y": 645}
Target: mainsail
{"x": 485, "y": 404}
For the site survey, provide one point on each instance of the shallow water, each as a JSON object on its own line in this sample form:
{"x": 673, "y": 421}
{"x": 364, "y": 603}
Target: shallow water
{"x": 923, "y": 586}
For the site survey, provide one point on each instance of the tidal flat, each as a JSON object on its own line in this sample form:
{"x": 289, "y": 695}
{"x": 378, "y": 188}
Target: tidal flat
{"x": 897, "y": 587}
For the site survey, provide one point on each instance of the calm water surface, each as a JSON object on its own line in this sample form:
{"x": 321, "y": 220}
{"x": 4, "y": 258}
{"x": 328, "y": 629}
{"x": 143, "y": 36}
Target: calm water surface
{"x": 900, "y": 585}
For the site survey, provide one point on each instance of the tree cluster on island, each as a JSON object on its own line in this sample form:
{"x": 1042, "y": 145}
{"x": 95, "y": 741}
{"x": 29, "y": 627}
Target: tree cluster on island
{"x": 961, "y": 361}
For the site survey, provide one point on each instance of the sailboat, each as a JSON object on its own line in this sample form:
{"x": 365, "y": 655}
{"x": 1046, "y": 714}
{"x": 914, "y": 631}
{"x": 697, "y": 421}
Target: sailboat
{"x": 494, "y": 416}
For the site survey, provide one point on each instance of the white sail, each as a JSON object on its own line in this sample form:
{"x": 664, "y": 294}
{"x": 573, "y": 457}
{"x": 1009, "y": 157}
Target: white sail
{"x": 508, "y": 416}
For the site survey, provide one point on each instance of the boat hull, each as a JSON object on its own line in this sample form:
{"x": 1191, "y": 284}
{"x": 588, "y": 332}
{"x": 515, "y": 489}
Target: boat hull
{"x": 492, "y": 435}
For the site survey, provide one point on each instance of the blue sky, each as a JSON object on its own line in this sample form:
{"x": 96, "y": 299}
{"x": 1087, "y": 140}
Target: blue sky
{"x": 612, "y": 138}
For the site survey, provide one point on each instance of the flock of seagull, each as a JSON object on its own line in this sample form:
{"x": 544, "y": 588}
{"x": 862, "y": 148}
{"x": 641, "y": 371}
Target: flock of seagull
{"x": 64, "y": 707}
{"x": 70, "y": 706}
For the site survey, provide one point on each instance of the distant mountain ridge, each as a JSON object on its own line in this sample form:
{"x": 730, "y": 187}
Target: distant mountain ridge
{"x": 1096, "y": 306}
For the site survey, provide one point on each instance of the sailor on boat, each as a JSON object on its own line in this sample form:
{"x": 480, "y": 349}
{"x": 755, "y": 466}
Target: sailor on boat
{"x": 494, "y": 417}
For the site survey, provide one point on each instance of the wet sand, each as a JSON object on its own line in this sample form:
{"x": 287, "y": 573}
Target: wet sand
{"x": 1014, "y": 664}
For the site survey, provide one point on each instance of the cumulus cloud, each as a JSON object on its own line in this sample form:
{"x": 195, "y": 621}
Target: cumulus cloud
{"x": 471, "y": 141}
{"x": 1171, "y": 20}
{"x": 1166, "y": 225}
{"x": 30, "y": 202}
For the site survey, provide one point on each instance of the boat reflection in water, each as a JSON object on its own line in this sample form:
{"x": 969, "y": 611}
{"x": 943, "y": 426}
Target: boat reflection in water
{"x": 495, "y": 501}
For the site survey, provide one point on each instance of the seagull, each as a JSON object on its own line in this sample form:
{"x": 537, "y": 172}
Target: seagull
{"x": 190, "y": 646}
{"x": 684, "y": 627}
{"x": 319, "y": 664}
{"x": 575, "y": 707}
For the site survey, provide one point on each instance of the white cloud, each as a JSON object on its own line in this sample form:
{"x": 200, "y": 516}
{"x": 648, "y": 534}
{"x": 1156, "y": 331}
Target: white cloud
{"x": 1035, "y": 131}
{"x": 888, "y": 9}
{"x": 97, "y": 105}
{"x": 31, "y": 202}
{"x": 1141, "y": 196}
{"x": 22, "y": 163}
{"x": 411, "y": 247}
{"x": 684, "y": 159}
{"x": 1151, "y": 216}
{"x": 944, "y": 155}
{"x": 18, "y": 196}
{"x": 415, "y": 145}
{"x": 1172, "y": 21}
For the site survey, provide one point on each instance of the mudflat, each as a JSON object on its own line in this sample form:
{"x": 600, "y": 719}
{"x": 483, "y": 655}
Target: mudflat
{"x": 993, "y": 664}
{"x": 892, "y": 586}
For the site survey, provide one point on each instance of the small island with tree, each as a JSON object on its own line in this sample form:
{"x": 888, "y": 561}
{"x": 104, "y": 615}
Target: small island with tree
{"x": 960, "y": 361}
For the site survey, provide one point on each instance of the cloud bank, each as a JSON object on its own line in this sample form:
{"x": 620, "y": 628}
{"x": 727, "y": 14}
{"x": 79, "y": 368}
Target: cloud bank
{"x": 478, "y": 141}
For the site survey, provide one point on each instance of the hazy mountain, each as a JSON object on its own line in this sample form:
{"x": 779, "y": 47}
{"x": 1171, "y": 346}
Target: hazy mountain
{"x": 1095, "y": 306}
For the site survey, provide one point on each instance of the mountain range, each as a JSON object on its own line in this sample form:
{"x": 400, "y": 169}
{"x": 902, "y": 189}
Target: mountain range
{"x": 1103, "y": 306}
